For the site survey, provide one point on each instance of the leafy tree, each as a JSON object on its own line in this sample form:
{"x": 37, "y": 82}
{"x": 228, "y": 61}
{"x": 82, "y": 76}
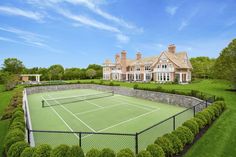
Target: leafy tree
{"x": 90, "y": 73}
{"x": 202, "y": 67}
{"x": 56, "y": 72}
{"x": 225, "y": 65}
{"x": 97, "y": 68}
{"x": 13, "y": 65}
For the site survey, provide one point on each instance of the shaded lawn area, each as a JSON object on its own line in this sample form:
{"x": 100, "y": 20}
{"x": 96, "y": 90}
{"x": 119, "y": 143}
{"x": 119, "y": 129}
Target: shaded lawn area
{"x": 220, "y": 139}
{"x": 5, "y": 97}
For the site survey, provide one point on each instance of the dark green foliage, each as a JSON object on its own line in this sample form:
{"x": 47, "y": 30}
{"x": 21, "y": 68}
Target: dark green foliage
{"x": 27, "y": 152}
{"x": 93, "y": 153}
{"x": 125, "y": 153}
{"x": 207, "y": 115}
{"x": 176, "y": 142}
{"x": 144, "y": 153}
{"x": 192, "y": 125}
{"x": 187, "y": 132}
{"x": 76, "y": 151}
{"x": 107, "y": 152}
{"x": 200, "y": 123}
{"x": 17, "y": 125}
{"x": 181, "y": 135}
{"x": 201, "y": 116}
{"x": 61, "y": 151}
{"x": 155, "y": 150}
{"x": 135, "y": 86}
{"x": 17, "y": 148}
{"x": 12, "y": 137}
{"x": 166, "y": 145}
{"x": 42, "y": 150}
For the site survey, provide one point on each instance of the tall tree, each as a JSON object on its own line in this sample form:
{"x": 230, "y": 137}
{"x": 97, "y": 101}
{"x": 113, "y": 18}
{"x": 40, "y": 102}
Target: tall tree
{"x": 225, "y": 66}
{"x": 56, "y": 71}
{"x": 13, "y": 65}
{"x": 90, "y": 73}
{"x": 202, "y": 67}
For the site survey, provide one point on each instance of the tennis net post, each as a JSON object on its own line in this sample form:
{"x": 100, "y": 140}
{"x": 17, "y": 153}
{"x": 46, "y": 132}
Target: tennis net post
{"x": 43, "y": 103}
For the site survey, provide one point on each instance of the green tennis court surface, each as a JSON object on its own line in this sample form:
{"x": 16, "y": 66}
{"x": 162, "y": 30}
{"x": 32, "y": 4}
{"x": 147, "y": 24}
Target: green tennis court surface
{"x": 113, "y": 114}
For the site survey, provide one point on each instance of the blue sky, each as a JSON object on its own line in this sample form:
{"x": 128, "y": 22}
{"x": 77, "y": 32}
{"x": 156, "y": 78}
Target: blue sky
{"x": 76, "y": 33}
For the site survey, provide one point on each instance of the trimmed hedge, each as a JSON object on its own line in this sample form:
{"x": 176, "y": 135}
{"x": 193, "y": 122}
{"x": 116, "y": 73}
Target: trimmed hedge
{"x": 166, "y": 145}
{"x": 17, "y": 148}
{"x": 181, "y": 135}
{"x": 144, "y": 153}
{"x": 125, "y": 153}
{"x": 76, "y": 151}
{"x": 155, "y": 150}
{"x": 192, "y": 125}
{"x": 43, "y": 150}
{"x": 12, "y": 137}
{"x": 176, "y": 142}
{"x": 61, "y": 151}
{"x": 27, "y": 152}
{"x": 93, "y": 153}
{"x": 107, "y": 152}
{"x": 187, "y": 132}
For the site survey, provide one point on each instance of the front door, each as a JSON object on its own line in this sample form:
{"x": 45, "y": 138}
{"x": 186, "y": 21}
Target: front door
{"x": 184, "y": 77}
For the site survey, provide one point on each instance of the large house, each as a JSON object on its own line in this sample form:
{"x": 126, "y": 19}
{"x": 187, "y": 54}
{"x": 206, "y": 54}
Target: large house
{"x": 169, "y": 66}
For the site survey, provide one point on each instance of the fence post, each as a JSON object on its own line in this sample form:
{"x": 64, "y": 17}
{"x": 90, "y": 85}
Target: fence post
{"x": 206, "y": 104}
{"x": 80, "y": 140}
{"x": 173, "y": 122}
{"x": 194, "y": 111}
{"x": 28, "y": 135}
{"x": 136, "y": 143}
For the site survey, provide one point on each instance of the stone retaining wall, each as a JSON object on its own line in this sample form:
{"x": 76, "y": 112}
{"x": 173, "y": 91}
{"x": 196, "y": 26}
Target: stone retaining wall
{"x": 173, "y": 99}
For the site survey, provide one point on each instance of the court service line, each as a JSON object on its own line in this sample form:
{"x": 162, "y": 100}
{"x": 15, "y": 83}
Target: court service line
{"x": 60, "y": 117}
{"x": 94, "y": 104}
{"x": 74, "y": 115}
{"x": 123, "y": 122}
{"x": 97, "y": 109}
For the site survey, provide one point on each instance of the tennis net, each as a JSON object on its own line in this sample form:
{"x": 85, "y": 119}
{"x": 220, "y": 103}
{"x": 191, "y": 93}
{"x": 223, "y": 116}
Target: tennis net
{"x": 47, "y": 102}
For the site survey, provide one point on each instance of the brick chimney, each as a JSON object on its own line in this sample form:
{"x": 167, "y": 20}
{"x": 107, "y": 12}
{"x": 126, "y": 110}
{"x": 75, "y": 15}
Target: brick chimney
{"x": 172, "y": 48}
{"x": 123, "y": 61}
{"x": 138, "y": 56}
{"x": 117, "y": 58}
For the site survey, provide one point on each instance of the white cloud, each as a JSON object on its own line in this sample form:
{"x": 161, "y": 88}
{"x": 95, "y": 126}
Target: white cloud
{"x": 7, "y": 39}
{"x": 122, "y": 38}
{"x": 87, "y": 21}
{"x": 19, "y": 12}
{"x": 171, "y": 10}
{"x": 183, "y": 25}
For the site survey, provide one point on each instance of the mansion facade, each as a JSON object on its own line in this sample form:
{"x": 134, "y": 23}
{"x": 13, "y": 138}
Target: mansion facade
{"x": 169, "y": 66}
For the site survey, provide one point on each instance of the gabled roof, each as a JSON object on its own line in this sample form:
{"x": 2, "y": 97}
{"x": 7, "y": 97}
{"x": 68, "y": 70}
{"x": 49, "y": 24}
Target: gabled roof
{"x": 141, "y": 61}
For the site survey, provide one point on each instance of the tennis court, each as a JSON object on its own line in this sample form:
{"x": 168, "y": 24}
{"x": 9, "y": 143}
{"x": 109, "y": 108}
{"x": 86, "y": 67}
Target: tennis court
{"x": 73, "y": 111}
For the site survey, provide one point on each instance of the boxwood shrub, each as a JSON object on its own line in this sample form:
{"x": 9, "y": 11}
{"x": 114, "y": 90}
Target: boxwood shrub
{"x": 76, "y": 151}
{"x": 93, "y": 153}
{"x": 166, "y": 145}
{"x": 181, "y": 135}
{"x": 144, "y": 153}
{"x": 61, "y": 151}
{"x": 207, "y": 115}
{"x": 12, "y": 137}
{"x": 200, "y": 123}
{"x": 126, "y": 153}
{"x": 192, "y": 125}
{"x": 17, "y": 148}
{"x": 107, "y": 152}
{"x": 17, "y": 125}
{"x": 155, "y": 150}
{"x": 43, "y": 150}
{"x": 187, "y": 132}
{"x": 201, "y": 116}
{"x": 27, "y": 152}
{"x": 176, "y": 142}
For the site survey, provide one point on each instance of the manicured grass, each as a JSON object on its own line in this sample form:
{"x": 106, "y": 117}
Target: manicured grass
{"x": 3, "y": 131}
{"x": 220, "y": 139}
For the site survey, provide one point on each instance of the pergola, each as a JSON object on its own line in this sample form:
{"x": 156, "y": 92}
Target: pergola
{"x": 25, "y": 77}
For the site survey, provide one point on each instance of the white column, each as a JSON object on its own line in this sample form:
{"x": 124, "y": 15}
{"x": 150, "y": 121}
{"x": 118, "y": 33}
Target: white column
{"x": 187, "y": 77}
{"x": 144, "y": 76}
{"x": 166, "y": 76}
{"x": 126, "y": 77}
{"x": 180, "y": 77}
{"x": 134, "y": 77}
{"x": 162, "y": 75}
{"x": 37, "y": 78}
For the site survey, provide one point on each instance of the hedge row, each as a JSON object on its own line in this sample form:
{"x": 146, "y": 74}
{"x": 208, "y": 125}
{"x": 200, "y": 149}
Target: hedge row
{"x": 15, "y": 102}
{"x": 194, "y": 93}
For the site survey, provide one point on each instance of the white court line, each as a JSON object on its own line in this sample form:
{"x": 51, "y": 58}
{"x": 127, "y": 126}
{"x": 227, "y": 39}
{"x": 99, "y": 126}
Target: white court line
{"x": 60, "y": 117}
{"x": 93, "y": 104}
{"x": 123, "y": 122}
{"x": 97, "y": 109}
{"x": 74, "y": 115}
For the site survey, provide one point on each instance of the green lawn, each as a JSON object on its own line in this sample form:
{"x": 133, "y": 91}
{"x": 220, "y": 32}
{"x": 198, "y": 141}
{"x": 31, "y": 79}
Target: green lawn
{"x": 5, "y": 98}
{"x": 115, "y": 114}
{"x": 220, "y": 139}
